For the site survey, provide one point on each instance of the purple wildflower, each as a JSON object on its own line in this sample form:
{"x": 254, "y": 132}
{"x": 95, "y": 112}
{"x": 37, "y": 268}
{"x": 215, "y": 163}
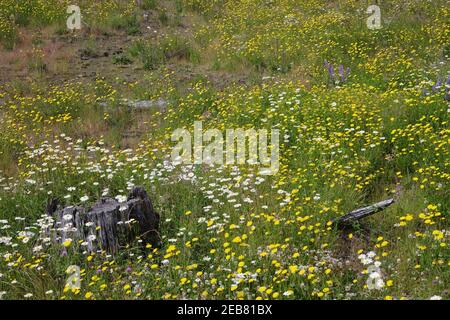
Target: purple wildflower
{"x": 447, "y": 88}
{"x": 435, "y": 87}
{"x": 342, "y": 72}
{"x": 330, "y": 68}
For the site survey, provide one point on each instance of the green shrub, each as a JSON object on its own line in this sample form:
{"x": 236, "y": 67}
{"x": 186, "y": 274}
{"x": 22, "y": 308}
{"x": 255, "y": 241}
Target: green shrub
{"x": 181, "y": 48}
{"x": 154, "y": 54}
{"x": 151, "y": 56}
{"x": 163, "y": 17}
{"x": 148, "y": 4}
{"x": 130, "y": 24}
{"x": 122, "y": 59}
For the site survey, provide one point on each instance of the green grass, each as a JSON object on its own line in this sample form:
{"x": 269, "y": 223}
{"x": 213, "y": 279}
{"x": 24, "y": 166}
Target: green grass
{"x": 154, "y": 54}
{"x": 229, "y": 233}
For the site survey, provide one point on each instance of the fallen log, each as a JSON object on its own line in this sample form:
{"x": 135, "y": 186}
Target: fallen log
{"x": 108, "y": 225}
{"x": 361, "y": 213}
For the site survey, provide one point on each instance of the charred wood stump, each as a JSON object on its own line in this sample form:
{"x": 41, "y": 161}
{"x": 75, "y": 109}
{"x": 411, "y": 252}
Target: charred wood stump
{"x": 346, "y": 224}
{"x": 108, "y": 225}
{"x": 361, "y": 213}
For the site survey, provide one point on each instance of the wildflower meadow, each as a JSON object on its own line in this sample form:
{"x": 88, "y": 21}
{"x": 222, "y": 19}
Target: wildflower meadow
{"x": 252, "y": 125}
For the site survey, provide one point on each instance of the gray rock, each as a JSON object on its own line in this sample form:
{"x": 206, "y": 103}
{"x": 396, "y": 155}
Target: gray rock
{"x": 160, "y": 104}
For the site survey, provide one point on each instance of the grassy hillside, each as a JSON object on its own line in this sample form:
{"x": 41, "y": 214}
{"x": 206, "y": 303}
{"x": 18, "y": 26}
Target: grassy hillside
{"x": 363, "y": 116}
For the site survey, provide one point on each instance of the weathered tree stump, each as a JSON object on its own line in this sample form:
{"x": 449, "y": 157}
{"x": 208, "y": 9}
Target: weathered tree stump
{"x": 360, "y": 213}
{"x": 108, "y": 225}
